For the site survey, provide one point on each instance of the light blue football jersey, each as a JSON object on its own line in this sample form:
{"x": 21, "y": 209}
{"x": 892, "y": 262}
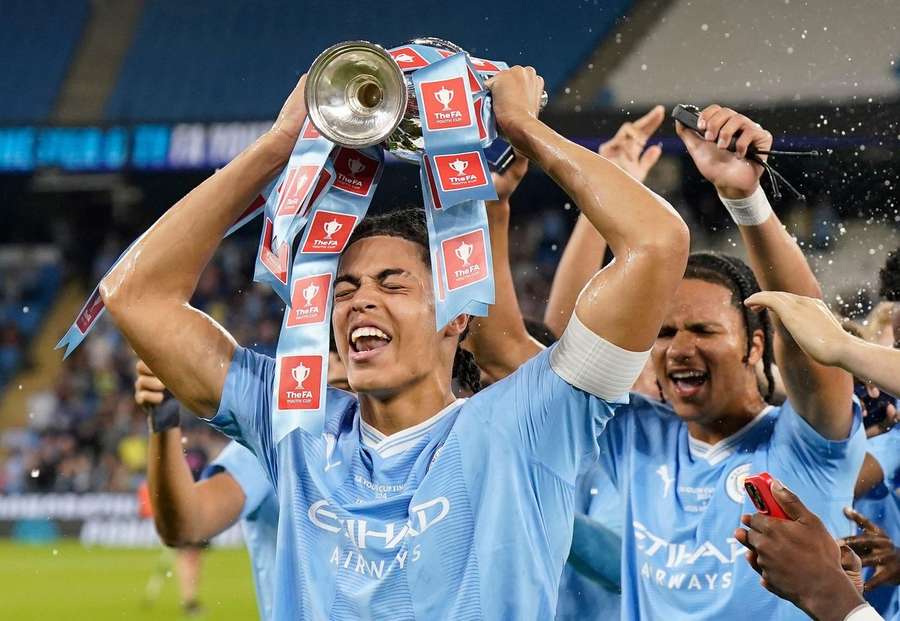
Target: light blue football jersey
{"x": 881, "y": 506}
{"x": 259, "y": 517}
{"x": 580, "y": 597}
{"x": 684, "y": 499}
{"x": 465, "y": 516}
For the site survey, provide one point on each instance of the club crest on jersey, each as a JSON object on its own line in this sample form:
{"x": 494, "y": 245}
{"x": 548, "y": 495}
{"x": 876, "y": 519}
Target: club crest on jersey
{"x": 295, "y": 188}
{"x": 299, "y": 384}
{"x": 734, "y": 483}
{"x": 408, "y": 58}
{"x": 355, "y": 171}
{"x": 460, "y": 171}
{"x": 90, "y": 311}
{"x": 465, "y": 259}
{"x": 446, "y": 105}
{"x": 309, "y": 300}
{"x": 329, "y": 232}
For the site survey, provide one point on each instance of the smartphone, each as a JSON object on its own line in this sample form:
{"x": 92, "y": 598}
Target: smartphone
{"x": 875, "y": 407}
{"x": 759, "y": 488}
{"x": 499, "y": 155}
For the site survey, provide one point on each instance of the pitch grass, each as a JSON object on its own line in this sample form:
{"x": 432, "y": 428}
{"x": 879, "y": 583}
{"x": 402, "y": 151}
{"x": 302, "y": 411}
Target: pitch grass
{"x": 101, "y": 584}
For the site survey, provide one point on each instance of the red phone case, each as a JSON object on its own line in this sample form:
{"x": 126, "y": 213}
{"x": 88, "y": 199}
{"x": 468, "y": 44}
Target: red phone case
{"x": 759, "y": 488}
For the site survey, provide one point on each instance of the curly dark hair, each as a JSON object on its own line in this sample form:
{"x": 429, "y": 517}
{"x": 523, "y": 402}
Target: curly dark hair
{"x": 736, "y": 276}
{"x": 409, "y": 224}
{"x": 890, "y": 277}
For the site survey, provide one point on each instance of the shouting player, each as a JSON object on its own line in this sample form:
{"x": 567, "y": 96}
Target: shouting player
{"x": 680, "y": 467}
{"x": 413, "y": 505}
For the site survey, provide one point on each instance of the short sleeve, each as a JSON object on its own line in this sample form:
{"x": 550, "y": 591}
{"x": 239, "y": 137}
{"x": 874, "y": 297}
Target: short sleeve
{"x": 885, "y": 448}
{"x": 245, "y": 469}
{"x": 555, "y": 423}
{"x": 818, "y": 461}
{"x": 245, "y": 408}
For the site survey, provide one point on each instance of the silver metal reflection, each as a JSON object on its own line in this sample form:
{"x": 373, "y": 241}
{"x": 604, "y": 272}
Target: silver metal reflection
{"x": 358, "y": 96}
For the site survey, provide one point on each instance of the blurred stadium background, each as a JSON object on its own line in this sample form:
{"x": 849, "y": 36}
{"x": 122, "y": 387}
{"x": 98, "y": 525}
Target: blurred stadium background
{"x": 113, "y": 109}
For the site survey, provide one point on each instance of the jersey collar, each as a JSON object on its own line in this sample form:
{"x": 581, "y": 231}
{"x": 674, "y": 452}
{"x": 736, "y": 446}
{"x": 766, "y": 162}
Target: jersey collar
{"x": 396, "y": 443}
{"x": 724, "y": 448}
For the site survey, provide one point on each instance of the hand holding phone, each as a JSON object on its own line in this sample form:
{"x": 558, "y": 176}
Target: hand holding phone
{"x": 759, "y": 488}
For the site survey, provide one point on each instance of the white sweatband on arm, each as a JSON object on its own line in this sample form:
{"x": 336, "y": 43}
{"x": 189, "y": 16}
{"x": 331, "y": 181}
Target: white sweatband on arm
{"x": 864, "y": 613}
{"x": 750, "y": 211}
{"x": 589, "y": 362}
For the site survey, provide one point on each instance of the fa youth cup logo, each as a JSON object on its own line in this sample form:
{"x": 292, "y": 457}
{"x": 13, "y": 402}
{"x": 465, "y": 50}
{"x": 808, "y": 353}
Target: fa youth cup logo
{"x": 299, "y": 383}
{"x": 463, "y": 252}
{"x": 445, "y": 104}
{"x": 465, "y": 259}
{"x": 309, "y": 300}
{"x": 300, "y": 373}
{"x": 295, "y": 188}
{"x": 444, "y": 97}
{"x": 355, "y": 172}
{"x": 460, "y": 171}
{"x": 331, "y": 227}
{"x": 329, "y": 231}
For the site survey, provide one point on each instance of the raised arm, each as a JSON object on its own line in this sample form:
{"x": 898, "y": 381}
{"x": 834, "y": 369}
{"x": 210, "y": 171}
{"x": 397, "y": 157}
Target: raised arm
{"x": 184, "y": 512}
{"x": 585, "y": 249}
{"x": 625, "y": 303}
{"x": 148, "y": 293}
{"x": 820, "y": 394}
{"x": 500, "y": 342}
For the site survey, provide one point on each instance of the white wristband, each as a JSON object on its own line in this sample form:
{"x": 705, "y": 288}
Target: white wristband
{"x": 589, "y": 362}
{"x": 863, "y": 613}
{"x": 750, "y": 211}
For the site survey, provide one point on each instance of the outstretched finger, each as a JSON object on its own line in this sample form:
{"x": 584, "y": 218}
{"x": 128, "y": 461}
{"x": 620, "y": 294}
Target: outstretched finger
{"x": 862, "y": 521}
{"x": 651, "y": 121}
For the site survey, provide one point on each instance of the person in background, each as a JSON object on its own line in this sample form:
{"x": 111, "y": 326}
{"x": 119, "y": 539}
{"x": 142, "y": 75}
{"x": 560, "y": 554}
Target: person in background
{"x": 679, "y": 467}
{"x": 233, "y": 487}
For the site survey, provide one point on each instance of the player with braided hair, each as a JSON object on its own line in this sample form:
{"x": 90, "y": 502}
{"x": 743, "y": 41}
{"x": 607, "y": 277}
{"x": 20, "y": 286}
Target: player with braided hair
{"x": 679, "y": 467}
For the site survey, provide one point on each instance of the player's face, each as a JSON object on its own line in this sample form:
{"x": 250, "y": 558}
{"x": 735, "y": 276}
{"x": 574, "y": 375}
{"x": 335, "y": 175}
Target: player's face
{"x": 384, "y": 316}
{"x": 699, "y": 354}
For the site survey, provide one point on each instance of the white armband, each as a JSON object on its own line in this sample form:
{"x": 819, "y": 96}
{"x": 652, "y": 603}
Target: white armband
{"x": 750, "y": 211}
{"x": 864, "y": 613}
{"x": 589, "y": 362}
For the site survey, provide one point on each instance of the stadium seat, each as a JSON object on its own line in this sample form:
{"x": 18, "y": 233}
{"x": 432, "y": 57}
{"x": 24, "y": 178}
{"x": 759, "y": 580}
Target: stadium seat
{"x": 181, "y": 68}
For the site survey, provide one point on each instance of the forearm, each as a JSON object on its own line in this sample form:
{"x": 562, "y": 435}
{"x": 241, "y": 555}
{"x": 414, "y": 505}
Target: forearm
{"x": 833, "y": 601}
{"x": 167, "y": 262}
{"x": 499, "y": 341}
{"x": 580, "y": 260}
{"x": 875, "y": 363}
{"x": 172, "y": 494}
{"x": 596, "y": 552}
{"x": 777, "y": 260}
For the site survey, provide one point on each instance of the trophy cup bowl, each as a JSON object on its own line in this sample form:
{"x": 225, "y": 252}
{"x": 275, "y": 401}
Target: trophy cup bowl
{"x": 358, "y": 96}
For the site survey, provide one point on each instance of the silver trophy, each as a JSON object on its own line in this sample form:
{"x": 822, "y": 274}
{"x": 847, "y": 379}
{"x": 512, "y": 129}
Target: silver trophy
{"x": 358, "y": 96}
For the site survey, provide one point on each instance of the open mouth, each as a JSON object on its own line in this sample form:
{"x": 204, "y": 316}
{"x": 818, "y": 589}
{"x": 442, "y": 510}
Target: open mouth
{"x": 368, "y": 338}
{"x": 688, "y": 383}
